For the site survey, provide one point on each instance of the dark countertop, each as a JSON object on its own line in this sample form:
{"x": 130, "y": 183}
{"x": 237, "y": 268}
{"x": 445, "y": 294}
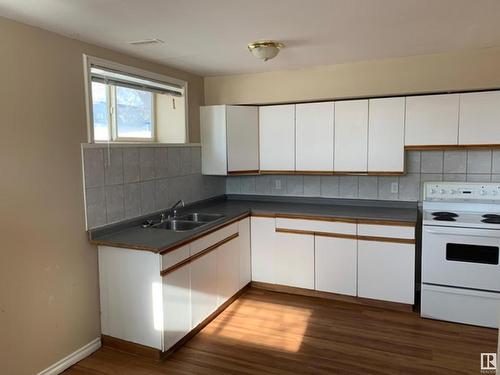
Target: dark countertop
{"x": 129, "y": 234}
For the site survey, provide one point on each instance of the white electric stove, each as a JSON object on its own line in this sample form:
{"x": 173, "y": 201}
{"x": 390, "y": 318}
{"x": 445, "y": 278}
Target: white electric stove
{"x": 460, "y": 252}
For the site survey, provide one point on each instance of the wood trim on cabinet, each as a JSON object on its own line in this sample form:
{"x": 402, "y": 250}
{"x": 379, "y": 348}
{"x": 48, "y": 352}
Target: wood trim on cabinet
{"x": 332, "y": 296}
{"x": 203, "y": 234}
{"x": 270, "y": 216}
{"x": 449, "y": 147}
{"x": 237, "y": 173}
{"x": 276, "y": 172}
{"x": 386, "y": 222}
{"x": 293, "y": 231}
{"x": 131, "y": 347}
{"x": 347, "y": 236}
{"x": 314, "y": 233}
{"x": 197, "y": 255}
{"x": 387, "y": 239}
{"x": 315, "y": 173}
{"x": 336, "y": 235}
{"x": 316, "y": 218}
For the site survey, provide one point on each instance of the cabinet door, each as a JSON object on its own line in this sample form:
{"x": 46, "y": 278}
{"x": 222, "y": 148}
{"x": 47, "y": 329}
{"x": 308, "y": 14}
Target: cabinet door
{"x": 314, "y": 136}
{"x": 277, "y": 137}
{"x": 262, "y": 244}
{"x": 351, "y": 136}
{"x": 479, "y": 118}
{"x": 432, "y": 120}
{"x": 204, "y": 295}
{"x": 386, "y": 135}
{"x": 242, "y": 138}
{"x": 386, "y": 271}
{"x": 336, "y": 265}
{"x": 176, "y": 305}
{"x": 228, "y": 270}
{"x": 213, "y": 140}
{"x": 294, "y": 260}
{"x": 244, "y": 246}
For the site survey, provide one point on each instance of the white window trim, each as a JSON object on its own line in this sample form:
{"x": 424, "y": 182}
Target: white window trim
{"x": 88, "y": 61}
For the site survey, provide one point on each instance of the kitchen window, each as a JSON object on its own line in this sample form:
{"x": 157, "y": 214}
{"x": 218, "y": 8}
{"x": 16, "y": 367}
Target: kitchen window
{"x": 129, "y": 105}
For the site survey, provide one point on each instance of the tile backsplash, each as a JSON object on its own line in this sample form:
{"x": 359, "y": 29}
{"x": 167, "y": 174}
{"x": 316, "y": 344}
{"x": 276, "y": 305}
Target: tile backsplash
{"x": 123, "y": 182}
{"x": 421, "y": 166}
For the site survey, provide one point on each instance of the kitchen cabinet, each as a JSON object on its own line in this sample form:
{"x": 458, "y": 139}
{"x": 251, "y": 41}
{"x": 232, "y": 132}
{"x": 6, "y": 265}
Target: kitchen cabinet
{"x": 351, "y": 136}
{"x": 432, "y": 120}
{"x": 386, "y": 271}
{"x": 228, "y": 270}
{"x": 277, "y": 137}
{"x": 294, "y": 260}
{"x": 314, "y": 136}
{"x": 263, "y": 247}
{"x": 386, "y": 135}
{"x": 204, "y": 295}
{"x": 245, "y": 253}
{"x": 176, "y": 305}
{"x": 229, "y": 139}
{"x": 336, "y": 265}
{"x": 479, "y": 118}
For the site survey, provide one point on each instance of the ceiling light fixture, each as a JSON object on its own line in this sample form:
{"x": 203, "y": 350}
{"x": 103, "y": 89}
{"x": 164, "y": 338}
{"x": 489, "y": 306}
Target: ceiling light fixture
{"x": 146, "y": 41}
{"x": 265, "y": 49}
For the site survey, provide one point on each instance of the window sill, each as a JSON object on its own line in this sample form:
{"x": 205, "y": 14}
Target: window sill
{"x": 137, "y": 144}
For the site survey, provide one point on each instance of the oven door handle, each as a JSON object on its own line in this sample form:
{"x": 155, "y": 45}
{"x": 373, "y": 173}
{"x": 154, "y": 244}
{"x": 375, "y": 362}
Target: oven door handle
{"x": 470, "y": 232}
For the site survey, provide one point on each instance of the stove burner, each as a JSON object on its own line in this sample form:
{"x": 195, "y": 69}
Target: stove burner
{"x": 446, "y": 218}
{"x": 492, "y": 220}
{"x": 491, "y": 216}
{"x": 444, "y": 214}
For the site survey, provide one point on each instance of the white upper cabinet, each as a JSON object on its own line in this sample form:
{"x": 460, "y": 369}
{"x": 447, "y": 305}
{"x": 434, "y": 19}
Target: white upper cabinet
{"x": 229, "y": 139}
{"x": 314, "y": 136}
{"x": 277, "y": 137}
{"x": 386, "y": 134}
{"x": 242, "y": 138}
{"x": 432, "y": 120}
{"x": 479, "y": 118}
{"x": 351, "y": 136}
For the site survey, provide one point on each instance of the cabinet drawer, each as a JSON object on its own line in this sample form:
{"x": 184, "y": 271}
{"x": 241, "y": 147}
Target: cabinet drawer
{"x": 316, "y": 225}
{"x": 173, "y": 257}
{"x": 390, "y": 231}
{"x": 212, "y": 238}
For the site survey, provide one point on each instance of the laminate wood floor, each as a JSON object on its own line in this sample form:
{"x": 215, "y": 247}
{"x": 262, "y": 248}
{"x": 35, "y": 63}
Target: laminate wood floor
{"x": 266, "y": 332}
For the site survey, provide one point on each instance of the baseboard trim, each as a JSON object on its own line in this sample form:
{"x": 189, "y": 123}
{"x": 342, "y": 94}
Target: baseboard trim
{"x": 333, "y": 296}
{"x": 73, "y": 358}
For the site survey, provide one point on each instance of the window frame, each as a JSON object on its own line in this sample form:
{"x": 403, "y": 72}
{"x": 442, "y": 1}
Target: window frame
{"x": 88, "y": 61}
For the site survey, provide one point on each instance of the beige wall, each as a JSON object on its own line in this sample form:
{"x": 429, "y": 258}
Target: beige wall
{"x": 466, "y": 70}
{"x": 49, "y": 303}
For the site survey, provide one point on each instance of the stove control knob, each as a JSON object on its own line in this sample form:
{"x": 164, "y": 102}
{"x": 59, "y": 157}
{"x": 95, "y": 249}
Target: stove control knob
{"x": 453, "y": 191}
{"x": 442, "y": 191}
{"x": 482, "y": 192}
{"x": 433, "y": 191}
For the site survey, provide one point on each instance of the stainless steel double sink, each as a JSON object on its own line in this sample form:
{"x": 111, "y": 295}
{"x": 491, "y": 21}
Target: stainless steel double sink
{"x": 187, "y": 222}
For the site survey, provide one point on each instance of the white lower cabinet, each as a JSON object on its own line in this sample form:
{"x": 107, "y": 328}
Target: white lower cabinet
{"x": 245, "y": 254}
{"x": 228, "y": 270}
{"x": 263, "y": 247}
{"x": 386, "y": 271}
{"x": 336, "y": 265}
{"x": 176, "y": 305}
{"x": 294, "y": 260}
{"x": 204, "y": 296}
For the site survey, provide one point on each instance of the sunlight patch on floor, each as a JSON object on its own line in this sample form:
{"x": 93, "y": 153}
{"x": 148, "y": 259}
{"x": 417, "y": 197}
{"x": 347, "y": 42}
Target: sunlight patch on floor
{"x": 275, "y": 326}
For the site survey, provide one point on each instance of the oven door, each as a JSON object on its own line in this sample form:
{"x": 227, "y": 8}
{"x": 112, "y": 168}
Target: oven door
{"x": 461, "y": 257}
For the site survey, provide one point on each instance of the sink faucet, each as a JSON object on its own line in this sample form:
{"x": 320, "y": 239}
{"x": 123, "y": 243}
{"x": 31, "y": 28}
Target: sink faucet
{"x": 172, "y": 210}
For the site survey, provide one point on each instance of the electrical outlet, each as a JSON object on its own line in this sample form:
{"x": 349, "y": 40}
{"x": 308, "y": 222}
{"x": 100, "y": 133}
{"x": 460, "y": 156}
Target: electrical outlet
{"x": 277, "y": 184}
{"x": 394, "y": 188}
